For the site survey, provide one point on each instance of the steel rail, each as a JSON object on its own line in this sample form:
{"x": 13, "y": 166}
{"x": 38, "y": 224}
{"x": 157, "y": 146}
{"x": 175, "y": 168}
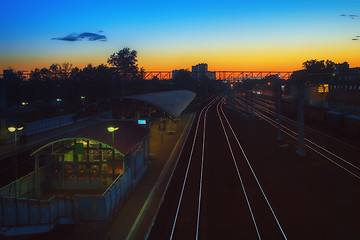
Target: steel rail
{"x": 187, "y": 171}
{"x": 291, "y": 121}
{"x": 238, "y": 173}
{"x": 317, "y": 145}
{"x": 254, "y": 175}
{"x": 293, "y": 135}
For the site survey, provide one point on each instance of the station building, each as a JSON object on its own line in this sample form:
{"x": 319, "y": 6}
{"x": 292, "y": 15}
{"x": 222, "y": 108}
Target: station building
{"x": 90, "y": 159}
{"x": 85, "y": 175}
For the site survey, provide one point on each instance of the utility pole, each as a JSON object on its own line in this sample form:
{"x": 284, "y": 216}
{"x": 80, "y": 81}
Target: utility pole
{"x": 251, "y": 99}
{"x": 15, "y": 130}
{"x": 112, "y": 130}
{"x": 123, "y": 87}
{"x": 301, "y": 132}
{"x": 278, "y": 108}
{"x": 247, "y": 97}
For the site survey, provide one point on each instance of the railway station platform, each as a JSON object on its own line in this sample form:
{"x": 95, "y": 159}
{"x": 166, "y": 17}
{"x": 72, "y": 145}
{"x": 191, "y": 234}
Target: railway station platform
{"x": 165, "y": 143}
{"x": 136, "y": 215}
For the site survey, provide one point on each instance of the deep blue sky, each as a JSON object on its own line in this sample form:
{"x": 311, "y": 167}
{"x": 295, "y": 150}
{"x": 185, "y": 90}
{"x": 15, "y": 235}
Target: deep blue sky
{"x": 236, "y": 35}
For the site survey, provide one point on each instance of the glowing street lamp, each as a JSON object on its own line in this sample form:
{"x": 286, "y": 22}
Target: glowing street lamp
{"x": 14, "y": 130}
{"x": 82, "y": 98}
{"x": 112, "y": 130}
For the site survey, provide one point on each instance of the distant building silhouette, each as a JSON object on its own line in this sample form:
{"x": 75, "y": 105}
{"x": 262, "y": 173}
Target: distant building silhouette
{"x": 341, "y": 87}
{"x": 201, "y": 71}
{"x": 345, "y": 85}
{"x": 175, "y": 72}
{"x": 201, "y": 68}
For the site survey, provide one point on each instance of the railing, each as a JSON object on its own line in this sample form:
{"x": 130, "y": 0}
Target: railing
{"x": 32, "y": 128}
{"x": 48, "y": 124}
{"x": 23, "y": 186}
{"x": 88, "y": 212}
{"x": 19, "y": 215}
{"x": 95, "y": 211}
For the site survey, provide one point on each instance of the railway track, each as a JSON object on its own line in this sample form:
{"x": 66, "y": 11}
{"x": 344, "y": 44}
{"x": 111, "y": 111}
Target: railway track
{"x": 182, "y": 207}
{"x": 341, "y": 154}
{"x": 215, "y": 193}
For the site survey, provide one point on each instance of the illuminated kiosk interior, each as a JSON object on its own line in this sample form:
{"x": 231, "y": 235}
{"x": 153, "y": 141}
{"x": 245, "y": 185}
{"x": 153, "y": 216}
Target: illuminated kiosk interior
{"x": 80, "y": 164}
{"x": 86, "y": 165}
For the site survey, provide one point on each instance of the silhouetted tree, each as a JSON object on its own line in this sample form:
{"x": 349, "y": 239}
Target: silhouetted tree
{"x": 315, "y": 66}
{"x": 142, "y": 73}
{"x": 13, "y": 83}
{"x": 318, "y": 71}
{"x": 35, "y": 75}
{"x": 65, "y": 70}
{"x": 103, "y": 74}
{"x": 54, "y": 71}
{"x": 88, "y": 73}
{"x": 45, "y": 74}
{"x": 329, "y": 66}
{"x": 74, "y": 73}
{"x": 125, "y": 66}
{"x": 125, "y": 63}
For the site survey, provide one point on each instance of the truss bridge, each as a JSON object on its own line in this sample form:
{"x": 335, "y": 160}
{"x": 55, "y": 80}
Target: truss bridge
{"x": 223, "y": 75}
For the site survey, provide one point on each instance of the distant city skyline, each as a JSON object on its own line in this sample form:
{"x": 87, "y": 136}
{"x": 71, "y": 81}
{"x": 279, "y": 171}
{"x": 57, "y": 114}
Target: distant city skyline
{"x": 231, "y": 35}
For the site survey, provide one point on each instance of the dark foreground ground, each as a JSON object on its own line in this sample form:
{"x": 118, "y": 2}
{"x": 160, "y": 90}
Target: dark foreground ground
{"x": 312, "y": 197}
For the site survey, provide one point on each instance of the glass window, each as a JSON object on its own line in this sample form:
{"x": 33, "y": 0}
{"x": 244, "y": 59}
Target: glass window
{"x": 69, "y": 171}
{"x": 94, "y": 174}
{"x": 81, "y": 171}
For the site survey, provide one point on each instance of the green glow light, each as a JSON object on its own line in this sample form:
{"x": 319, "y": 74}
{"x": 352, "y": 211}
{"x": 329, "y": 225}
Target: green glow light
{"x": 11, "y": 129}
{"x": 112, "y": 129}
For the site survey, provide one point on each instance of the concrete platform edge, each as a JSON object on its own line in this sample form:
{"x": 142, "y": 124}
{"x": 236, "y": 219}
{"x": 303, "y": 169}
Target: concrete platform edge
{"x": 149, "y": 201}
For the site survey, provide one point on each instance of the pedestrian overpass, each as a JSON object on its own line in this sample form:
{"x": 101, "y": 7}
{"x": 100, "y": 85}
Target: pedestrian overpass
{"x": 224, "y": 75}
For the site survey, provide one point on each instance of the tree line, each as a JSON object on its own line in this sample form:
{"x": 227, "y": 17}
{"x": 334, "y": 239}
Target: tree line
{"x": 74, "y": 87}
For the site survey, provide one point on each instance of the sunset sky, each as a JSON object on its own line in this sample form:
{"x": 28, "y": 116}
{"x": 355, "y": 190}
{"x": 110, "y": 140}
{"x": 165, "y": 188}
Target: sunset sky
{"x": 228, "y": 35}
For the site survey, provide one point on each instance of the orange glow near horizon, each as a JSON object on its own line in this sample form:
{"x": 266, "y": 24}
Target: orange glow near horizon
{"x": 237, "y": 60}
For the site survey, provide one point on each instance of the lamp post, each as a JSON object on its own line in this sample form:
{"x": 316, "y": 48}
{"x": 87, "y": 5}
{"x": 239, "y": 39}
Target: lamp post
{"x": 112, "y": 130}
{"x": 278, "y": 107}
{"x": 15, "y": 130}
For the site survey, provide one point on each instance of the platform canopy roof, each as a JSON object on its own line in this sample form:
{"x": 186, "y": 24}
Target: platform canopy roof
{"x": 172, "y": 103}
{"x": 127, "y": 136}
